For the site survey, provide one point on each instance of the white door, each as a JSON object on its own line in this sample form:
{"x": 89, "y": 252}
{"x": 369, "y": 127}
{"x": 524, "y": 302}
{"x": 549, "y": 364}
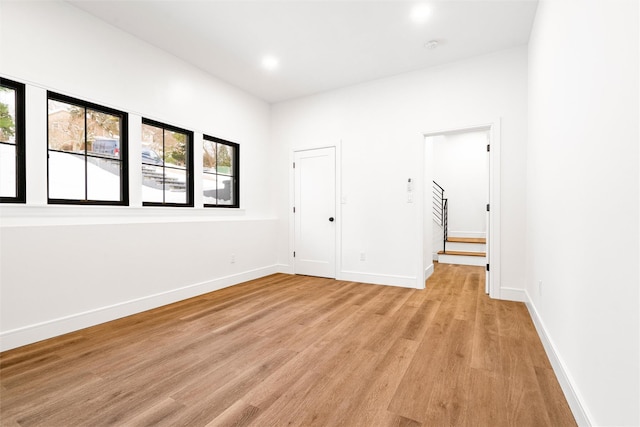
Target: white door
{"x": 314, "y": 212}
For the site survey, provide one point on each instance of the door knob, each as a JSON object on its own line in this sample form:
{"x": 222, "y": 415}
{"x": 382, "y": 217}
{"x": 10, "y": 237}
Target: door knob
{"x": 331, "y": 219}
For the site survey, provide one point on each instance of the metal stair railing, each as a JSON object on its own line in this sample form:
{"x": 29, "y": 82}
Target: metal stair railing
{"x": 441, "y": 212}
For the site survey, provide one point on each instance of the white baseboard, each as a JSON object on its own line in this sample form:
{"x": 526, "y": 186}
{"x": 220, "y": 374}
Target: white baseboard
{"x": 513, "y": 294}
{"x": 376, "y": 279}
{"x": 379, "y": 279}
{"x": 574, "y": 399}
{"x": 428, "y": 272}
{"x": 51, "y": 328}
{"x": 285, "y": 268}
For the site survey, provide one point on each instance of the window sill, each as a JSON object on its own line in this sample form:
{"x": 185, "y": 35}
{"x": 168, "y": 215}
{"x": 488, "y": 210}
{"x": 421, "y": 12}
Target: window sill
{"x": 43, "y": 215}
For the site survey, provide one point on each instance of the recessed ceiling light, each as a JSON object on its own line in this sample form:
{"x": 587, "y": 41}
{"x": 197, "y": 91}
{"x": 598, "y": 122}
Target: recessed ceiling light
{"x": 431, "y": 44}
{"x": 420, "y": 13}
{"x": 270, "y": 62}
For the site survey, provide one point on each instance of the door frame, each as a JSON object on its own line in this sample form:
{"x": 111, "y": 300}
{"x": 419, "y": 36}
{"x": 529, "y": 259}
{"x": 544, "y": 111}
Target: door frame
{"x": 338, "y": 206}
{"x": 493, "y": 238}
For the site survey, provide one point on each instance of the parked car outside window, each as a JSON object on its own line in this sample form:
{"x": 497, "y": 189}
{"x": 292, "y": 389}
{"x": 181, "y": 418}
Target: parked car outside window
{"x": 151, "y": 157}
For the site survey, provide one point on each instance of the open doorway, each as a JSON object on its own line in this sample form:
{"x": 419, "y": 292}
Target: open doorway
{"x": 460, "y": 194}
{"x": 461, "y": 199}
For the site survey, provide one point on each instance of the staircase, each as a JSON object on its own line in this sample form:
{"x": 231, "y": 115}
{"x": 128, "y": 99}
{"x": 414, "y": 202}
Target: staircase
{"x": 456, "y": 250}
{"x": 464, "y": 251}
{"x": 152, "y": 177}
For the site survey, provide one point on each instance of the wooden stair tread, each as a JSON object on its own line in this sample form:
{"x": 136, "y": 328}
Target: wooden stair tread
{"x": 463, "y": 253}
{"x": 467, "y": 239}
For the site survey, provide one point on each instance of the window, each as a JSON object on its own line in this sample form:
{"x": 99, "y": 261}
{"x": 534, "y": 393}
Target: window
{"x": 167, "y": 165}
{"x": 87, "y": 153}
{"x": 12, "y": 142}
{"x": 220, "y": 178}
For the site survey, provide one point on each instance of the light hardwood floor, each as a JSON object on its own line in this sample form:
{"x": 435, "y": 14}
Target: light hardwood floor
{"x": 294, "y": 350}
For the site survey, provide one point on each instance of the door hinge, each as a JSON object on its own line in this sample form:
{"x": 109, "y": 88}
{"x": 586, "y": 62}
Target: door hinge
{"x": 294, "y": 254}
{"x": 294, "y": 165}
{"x": 487, "y": 267}
{"x": 488, "y": 147}
{"x": 294, "y": 209}
{"x": 488, "y": 207}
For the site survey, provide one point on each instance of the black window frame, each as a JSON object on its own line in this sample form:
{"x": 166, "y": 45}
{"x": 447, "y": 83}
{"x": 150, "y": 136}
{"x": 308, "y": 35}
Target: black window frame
{"x": 235, "y": 177}
{"x": 20, "y": 142}
{"x": 123, "y": 148}
{"x": 188, "y": 162}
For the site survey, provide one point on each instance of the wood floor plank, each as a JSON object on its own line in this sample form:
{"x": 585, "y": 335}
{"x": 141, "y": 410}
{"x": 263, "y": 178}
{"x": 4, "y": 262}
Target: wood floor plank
{"x": 238, "y": 414}
{"x": 421, "y": 320}
{"x": 557, "y": 409}
{"x": 344, "y": 384}
{"x": 209, "y": 400}
{"x": 296, "y": 350}
{"x": 378, "y": 338}
{"x": 296, "y": 403}
{"x": 435, "y": 350}
{"x": 449, "y": 395}
{"x": 486, "y": 405}
{"x": 281, "y": 382}
{"x": 486, "y": 341}
{"x": 167, "y": 413}
{"x": 37, "y": 406}
{"x": 508, "y": 316}
{"x": 537, "y": 354}
{"x": 400, "y": 421}
{"x": 381, "y": 386}
{"x": 525, "y": 405}
{"x": 466, "y": 304}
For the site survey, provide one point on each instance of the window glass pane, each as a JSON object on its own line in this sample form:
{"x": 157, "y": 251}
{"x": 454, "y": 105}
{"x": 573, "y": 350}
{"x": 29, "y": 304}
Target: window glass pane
{"x": 103, "y": 179}
{"x": 225, "y": 190}
{"x": 220, "y": 164}
{"x": 8, "y": 170}
{"x": 175, "y": 148}
{"x": 152, "y": 141}
{"x": 175, "y": 185}
{"x": 209, "y": 155}
{"x": 103, "y": 134}
{"x": 87, "y": 152}
{"x": 151, "y": 157}
{"x": 66, "y": 176}
{"x": 66, "y": 127}
{"x": 165, "y": 164}
{"x": 225, "y": 159}
{"x": 209, "y": 186}
{"x": 7, "y": 115}
{"x": 152, "y": 183}
{"x": 12, "y": 141}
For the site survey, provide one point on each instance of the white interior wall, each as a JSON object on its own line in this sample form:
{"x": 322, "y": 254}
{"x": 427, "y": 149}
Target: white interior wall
{"x": 380, "y": 127}
{"x": 67, "y": 267}
{"x": 461, "y": 167}
{"x": 582, "y": 202}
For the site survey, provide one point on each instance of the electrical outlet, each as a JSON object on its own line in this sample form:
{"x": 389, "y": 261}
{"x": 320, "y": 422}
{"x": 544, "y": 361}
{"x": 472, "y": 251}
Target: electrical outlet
{"x": 363, "y": 256}
{"x": 233, "y": 258}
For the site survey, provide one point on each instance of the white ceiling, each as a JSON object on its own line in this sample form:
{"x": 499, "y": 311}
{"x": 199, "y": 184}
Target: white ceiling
{"x": 321, "y": 45}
